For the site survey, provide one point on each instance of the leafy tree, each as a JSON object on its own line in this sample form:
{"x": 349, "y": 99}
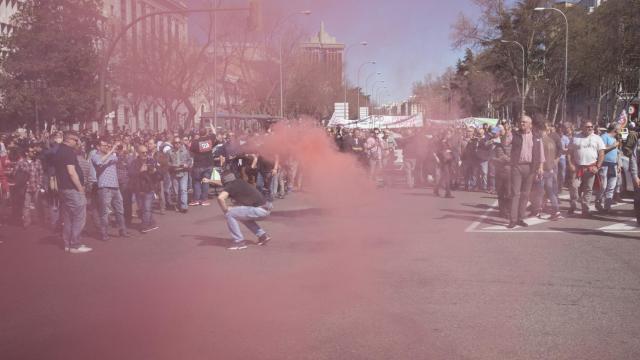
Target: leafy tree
{"x": 54, "y": 44}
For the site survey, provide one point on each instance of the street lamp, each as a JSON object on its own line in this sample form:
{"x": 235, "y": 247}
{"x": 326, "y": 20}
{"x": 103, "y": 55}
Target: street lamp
{"x": 282, "y": 21}
{"x": 372, "y": 62}
{"x": 376, "y": 99}
{"x": 566, "y": 58}
{"x": 344, "y": 76}
{"x": 366, "y": 81}
{"x": 524, "y": 88}
{"x": 373, "y": 86}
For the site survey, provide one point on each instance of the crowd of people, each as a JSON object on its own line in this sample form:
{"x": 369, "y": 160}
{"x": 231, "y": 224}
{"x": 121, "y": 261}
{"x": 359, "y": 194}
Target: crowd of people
{"x": 526, "y": 167}
{"x": 60, "y": 179}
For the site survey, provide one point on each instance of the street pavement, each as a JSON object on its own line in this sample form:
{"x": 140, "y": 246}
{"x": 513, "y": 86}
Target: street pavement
{"x": 403, "y": 275}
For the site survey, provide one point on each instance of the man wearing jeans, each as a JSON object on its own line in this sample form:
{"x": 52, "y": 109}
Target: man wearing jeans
{"x": 250, "y": 206}
{"x": 73, "y": 202}
{"x": 179, "y": 165}
{"x": 585, "y": 157}
{"x": 608, "y": 173}
{"x": 109, "y": 196}
{"x": 202, "y": 151}
{"x": 144, "y": 180}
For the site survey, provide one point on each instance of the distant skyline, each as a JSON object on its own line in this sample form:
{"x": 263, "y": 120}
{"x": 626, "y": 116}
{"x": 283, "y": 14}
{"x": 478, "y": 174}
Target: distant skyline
{"x": 408, "y": 39}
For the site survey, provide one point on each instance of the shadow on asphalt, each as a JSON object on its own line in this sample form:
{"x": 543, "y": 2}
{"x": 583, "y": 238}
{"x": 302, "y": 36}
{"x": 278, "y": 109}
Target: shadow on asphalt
{"x": 595, "y": 232}
{"x": 215, "y": 241}
{"x": 471, "y": 218}
{"x": 274, "y": 214}
{"x": 429, "y": 194}
{"x": 298, "y": 213}
{"x": 52, "y": 240}
{"x": 479, "y": 206}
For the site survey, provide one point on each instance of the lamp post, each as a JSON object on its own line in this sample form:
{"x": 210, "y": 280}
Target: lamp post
{"x": 372, "y": 62}
{"x": 366, "y": 81}
{"x": 344, "y": 75}
{"x": 373, "y": 87}
{"x": 524, "y": 88}
{"x": 376, "y": 99}
{"x": 282, "y": 21}
{"x": 566, "y": 58}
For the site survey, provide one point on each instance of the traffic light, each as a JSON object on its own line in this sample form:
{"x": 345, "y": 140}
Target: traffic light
{"x": 255, "y": 15}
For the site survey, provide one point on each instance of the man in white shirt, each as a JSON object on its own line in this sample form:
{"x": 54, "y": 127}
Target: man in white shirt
{"x": 586, "y": 154}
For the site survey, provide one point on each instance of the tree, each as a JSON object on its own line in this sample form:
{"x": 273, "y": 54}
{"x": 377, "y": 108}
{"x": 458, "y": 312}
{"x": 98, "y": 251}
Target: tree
{"x": 54, "y": 42}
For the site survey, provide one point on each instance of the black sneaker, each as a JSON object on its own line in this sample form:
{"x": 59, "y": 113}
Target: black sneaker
{"x": 522, "y": 223}
{"x": 124, "y": 234}
{"x": 264, "y": 239}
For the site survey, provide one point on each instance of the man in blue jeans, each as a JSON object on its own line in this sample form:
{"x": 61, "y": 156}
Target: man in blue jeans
{"x": 73, "y": 203}
{"x": 179, "y": 165}
{"x": 202, "y": 151}
{"x": 144, "y": 180}
{"x": 249, "y": 206}
{"x": 104, "y": 161}
{"x": 608, "y": 173}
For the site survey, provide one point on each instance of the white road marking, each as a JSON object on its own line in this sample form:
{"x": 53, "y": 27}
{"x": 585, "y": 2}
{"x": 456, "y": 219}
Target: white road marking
{"x": 626, "y": 224}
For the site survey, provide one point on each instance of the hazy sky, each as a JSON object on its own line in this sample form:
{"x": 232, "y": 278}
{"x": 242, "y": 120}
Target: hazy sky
{"x": 407, "y": 38}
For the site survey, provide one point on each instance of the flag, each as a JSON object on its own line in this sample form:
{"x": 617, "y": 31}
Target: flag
{"x": 622, "y": 120}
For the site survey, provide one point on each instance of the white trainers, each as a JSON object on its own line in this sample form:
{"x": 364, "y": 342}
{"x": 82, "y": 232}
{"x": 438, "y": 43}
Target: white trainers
{"x": 79, "y": 250}
{"x": 237, "y": 246}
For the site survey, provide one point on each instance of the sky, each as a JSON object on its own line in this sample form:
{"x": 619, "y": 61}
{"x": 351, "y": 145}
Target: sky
{"x": 408, "y": 39}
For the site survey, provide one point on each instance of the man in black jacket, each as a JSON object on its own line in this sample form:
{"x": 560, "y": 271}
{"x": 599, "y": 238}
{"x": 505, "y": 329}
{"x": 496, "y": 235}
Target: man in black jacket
{"x": 527, "y": 157}
{"x": 143, "y": 179}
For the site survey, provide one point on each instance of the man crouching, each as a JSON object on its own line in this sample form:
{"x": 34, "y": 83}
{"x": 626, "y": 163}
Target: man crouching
{"x": 249, "y": 206}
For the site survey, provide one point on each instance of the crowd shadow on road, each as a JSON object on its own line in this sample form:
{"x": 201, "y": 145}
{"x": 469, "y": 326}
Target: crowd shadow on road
{"x": 297, "y": 213}
{"x": 52, "y": 240}
{"x": 214, "y": 240}
{"x": 469, "y": 216}
{"x": 427, "y": 194}
{"x": 594, "y": 232}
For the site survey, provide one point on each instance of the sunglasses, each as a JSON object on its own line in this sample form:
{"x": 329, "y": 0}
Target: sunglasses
{"x": 588, "y": 127}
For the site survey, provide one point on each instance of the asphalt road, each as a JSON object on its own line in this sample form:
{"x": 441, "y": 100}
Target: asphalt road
{"x": 402, "y": 276}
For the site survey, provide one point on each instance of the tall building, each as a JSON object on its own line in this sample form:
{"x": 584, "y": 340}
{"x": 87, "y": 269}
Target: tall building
{"x": 326, "y": 50}
{"x": 166, "y": 28}
{"x": 7, "y": 9}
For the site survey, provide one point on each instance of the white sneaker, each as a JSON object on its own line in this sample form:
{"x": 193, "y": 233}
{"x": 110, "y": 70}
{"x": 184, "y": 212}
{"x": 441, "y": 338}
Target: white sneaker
{"x": 238, "y": 246}
{"x": 80, "y": 250}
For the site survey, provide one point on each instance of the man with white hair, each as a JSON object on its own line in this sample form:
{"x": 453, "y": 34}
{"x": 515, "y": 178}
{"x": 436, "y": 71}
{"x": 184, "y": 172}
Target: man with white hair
{"x": 527, "y": 157}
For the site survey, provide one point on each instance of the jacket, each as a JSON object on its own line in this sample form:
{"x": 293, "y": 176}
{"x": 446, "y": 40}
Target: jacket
{"x": 516, "y": 149}
{"x": 144, "y": 181}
